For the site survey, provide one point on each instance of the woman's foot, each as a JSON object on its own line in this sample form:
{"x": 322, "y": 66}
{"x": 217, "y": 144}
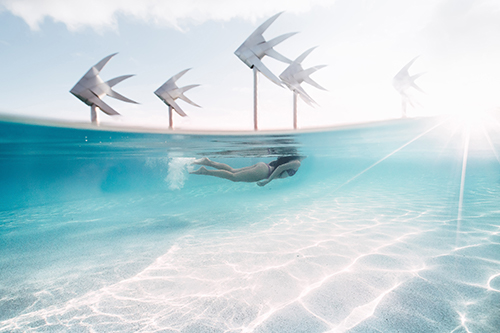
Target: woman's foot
{"x": 200, "y": 171}
{"x": 201, "y": 161}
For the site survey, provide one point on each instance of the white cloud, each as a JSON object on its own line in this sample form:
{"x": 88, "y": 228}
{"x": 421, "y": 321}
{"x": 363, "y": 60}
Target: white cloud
{"x": 103, "y": 14}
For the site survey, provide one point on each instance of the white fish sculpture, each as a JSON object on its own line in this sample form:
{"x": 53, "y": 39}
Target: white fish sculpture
{"x": 254, "y": 48}
{"x": 91, "y": 89}
{"x": 169, "y": 92}
{"x": 402, "y": 82}
{"x": 294, "y": 75}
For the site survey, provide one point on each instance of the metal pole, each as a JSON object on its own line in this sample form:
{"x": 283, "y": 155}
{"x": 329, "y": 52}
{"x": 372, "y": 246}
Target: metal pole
{"x": 403, "y": 104}
{"x": 93, "y": 114}
{"x": 170, "y": 118}
{"x": 255, "y": 127}
{"x": 295, "y": 110}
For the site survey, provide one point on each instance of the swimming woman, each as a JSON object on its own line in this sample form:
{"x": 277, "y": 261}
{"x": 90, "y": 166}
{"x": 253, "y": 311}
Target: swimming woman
{"x": 262, "y": 173}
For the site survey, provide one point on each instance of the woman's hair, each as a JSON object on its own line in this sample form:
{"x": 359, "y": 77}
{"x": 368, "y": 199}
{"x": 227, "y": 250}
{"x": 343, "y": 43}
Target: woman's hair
{"x": 283, "y": 160}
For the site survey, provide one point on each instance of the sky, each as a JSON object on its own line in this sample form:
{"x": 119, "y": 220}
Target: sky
{"x": 46, "y": 46}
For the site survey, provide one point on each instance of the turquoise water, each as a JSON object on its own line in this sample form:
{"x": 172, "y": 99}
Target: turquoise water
{"x": 386, "y": 227}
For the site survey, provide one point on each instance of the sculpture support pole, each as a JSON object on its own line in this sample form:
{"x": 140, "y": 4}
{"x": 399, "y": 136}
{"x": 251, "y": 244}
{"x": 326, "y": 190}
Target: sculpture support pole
{"x": 403, "y": 104}
{"x": 255, "y": 127}
{"x": 295, "y": 110}
{"x": 93, "y": 115}
{"x": 170, "y": 118}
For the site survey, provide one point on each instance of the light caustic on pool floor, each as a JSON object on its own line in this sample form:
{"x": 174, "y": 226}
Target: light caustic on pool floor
{"x": 317, "y": 268}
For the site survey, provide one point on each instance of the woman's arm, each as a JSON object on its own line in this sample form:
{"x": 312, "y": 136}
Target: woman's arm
{"x": 277, "y": 172}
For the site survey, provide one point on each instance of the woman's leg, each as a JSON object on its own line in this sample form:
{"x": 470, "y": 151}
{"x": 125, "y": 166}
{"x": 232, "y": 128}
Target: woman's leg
{"x": 216, "y": 173}
{"x": 221, "y": 166}
{"x": 252, "y": 173}
{"x": 207, "y": 162}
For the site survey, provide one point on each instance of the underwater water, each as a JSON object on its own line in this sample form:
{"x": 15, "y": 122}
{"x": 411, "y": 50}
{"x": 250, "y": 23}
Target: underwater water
{"x": 386, "y": 227}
